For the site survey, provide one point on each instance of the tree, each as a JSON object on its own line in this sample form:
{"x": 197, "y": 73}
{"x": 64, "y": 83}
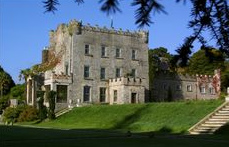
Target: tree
{"x": 159, "y": 60}
{"x": 206, "y": 15}
{"x": 18, "y": 92}
{"x": 6, "y": 82}
{"x": 205, "y": 62}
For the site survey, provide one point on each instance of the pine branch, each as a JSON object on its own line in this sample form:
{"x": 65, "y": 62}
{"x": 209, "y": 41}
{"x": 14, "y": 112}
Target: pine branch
{"x": 142, "y": 14}
{"x": 110, "y": 6}
{"x": 50, "y": 5}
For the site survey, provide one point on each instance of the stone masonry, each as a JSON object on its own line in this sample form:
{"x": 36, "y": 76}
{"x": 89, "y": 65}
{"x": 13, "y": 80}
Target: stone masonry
{"x": 87, "y": 57}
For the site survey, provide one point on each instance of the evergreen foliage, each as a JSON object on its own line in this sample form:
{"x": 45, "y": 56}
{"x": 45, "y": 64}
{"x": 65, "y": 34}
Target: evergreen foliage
{"x": 205, "y": 62}
{"x": 206, "y": 16}
{"x": 6, "y": 82}
{"x": 51, "y": 96}
{"x": 42, "y": 110}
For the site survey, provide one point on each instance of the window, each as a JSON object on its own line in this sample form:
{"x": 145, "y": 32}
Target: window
{"x": 133, "y": 54}
{"x": 102, "y": 94}
{"x": 66, "y": 68}
{"x": 211, "y": 90}
{"x": 202, "y": 90}
{"x": 133, "y": 98}
{"x": 103, "y": 51}
{"x": 118, "y": 53}
{"x": 102, "y": 73}
{"x": 87, "y": 49}
{"x": 133, "y": 72}
{"x": 189, "y": 88}
{"x": 115, "y": 96}
{"x": 62, "y": 93}
{"x": 86, "y": 93}
{"x": 165, "y": 86}
{"x": 178, "y": 87}
{"x": 118, "y": 73}
{"x": 86, "y": 71}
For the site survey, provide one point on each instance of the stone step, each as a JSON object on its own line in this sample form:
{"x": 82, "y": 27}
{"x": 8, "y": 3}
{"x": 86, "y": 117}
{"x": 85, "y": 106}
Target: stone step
{"x": 223, "y": 112}
{"x": 215, "y": 122}
{"x": 197, "y": 133}
{"x": 204, "y": 130}
{"x": 225, "y": 109}
{"x": 220, "y": 117}
{"x": 212, "y": 125}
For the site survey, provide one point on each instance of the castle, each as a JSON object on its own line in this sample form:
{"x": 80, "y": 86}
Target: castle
{"x": 95, "y": 65}
{"x": 172, "y": 86}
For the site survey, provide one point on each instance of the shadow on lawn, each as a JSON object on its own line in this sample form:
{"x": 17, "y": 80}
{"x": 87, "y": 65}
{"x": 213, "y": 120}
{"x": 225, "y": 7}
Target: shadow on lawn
{"x": 129, "y": 119}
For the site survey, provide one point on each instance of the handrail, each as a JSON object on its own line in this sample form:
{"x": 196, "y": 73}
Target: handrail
{"x": 207, "y": 116}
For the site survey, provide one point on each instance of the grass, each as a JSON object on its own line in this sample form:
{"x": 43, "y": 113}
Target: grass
{"x": 102, "y": 126}
{"x": 174, "y": 117}
{"x": 12, "y": 136}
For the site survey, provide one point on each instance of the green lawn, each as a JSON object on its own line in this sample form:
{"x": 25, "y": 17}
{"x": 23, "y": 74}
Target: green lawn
{"x": 12, "y": 136}
{"x": 174, "y": 117}
{"x": 155, "y": 124}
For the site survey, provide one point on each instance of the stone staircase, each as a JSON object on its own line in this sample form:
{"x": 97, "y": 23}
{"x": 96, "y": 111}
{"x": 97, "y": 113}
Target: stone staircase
{"x": 63, "y": 111}
{"x": 213, "y": 121}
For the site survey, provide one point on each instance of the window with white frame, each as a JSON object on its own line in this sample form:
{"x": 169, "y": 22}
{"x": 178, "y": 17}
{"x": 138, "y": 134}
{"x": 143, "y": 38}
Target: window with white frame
{"x": 212, "y": 90}
{"x": 189, "y": 88}
{"x": 118, "y": 73}
{"x": 178, "y": 87}
{"x": 118, "y": 53}
{"x": 115, "y": 98}
{"x": 102, "y": 94}
{"x": 102, "y": 73}
{"x": 86, "y": 93}
{"x": 86, "y": 71}
{"x": 202, "y": 89}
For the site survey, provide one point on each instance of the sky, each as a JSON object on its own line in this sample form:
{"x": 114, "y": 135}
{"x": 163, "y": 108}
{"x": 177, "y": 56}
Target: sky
{"x": 24, "y": 27}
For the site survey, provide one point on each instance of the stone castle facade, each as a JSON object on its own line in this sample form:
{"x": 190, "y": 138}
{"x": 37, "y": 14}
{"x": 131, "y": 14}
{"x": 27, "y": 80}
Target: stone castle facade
{"x": 96, "y": 65}
{"x": 171, "y": 87}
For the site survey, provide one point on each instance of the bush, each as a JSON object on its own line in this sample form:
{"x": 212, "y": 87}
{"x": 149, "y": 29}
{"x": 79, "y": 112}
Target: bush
{"x": 28, "y": 114}
{"x": 42, "y": 110}
{"x": 51, "y": 98}
{"x": 11, "y": 114}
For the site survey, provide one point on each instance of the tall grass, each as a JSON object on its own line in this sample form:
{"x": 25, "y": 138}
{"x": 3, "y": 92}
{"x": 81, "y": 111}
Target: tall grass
{"x": 173, "y": 117}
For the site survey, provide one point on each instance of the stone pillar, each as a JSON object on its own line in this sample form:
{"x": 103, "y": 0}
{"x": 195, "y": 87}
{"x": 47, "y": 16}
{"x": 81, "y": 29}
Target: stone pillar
{"x": 227, "y": 97}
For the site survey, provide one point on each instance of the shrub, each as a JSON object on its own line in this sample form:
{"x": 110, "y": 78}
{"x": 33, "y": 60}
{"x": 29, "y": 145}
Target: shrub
{"x": 28, "y": 114}
{"x": 11, "y": 114}
{"x": 51, "y": 98}
{"x": 42, "y": 110}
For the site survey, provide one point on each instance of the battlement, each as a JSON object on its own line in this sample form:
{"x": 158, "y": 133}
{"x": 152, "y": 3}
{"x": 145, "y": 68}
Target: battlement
{"x": 127, "y": 81}
{"x": 77, "y": 27}
{"x": 187, "y": 77}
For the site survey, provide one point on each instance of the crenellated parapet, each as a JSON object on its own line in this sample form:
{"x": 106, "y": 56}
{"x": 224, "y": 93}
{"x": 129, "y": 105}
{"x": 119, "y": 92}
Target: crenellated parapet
{"x": 127, "y": 81}
{"x": 76, "y": 27}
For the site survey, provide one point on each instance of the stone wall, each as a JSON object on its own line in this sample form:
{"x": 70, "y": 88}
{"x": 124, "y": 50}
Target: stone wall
{"x": 68, "y": 43}
{"x": 170, "y": 86}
